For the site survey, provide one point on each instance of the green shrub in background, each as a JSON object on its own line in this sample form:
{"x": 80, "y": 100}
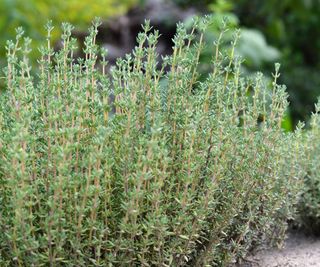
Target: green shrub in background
{"x": 252, "y": 46}
{"x": 174, "y": 172}
{"x": 309, "y": 204}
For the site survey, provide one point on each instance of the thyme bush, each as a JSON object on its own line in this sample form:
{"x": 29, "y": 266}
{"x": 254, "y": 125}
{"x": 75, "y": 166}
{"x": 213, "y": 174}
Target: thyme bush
{"x": 173, "y": 172}
{"x": 308, "y": 215}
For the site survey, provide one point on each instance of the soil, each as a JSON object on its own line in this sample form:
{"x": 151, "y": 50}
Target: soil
{"x": 299, "y": 251}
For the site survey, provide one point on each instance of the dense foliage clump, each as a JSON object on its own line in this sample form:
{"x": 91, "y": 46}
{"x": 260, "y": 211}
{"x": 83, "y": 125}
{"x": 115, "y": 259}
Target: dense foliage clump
{"x": 309, "y": 204}
{"x": 172, "y": 172}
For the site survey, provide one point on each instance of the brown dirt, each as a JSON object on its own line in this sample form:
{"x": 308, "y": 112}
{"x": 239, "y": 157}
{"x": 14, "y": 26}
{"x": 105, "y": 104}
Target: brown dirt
{"x": 298, "y": 251}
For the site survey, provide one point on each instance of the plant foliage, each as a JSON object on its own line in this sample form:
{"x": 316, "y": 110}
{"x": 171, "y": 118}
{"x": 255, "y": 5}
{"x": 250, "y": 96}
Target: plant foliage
{"x": 309, "y": 204}
{"x": 173, "y": 172}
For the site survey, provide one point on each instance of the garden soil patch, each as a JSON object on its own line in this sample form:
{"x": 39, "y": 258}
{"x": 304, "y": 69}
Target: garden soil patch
{"x": 298, "y": 251}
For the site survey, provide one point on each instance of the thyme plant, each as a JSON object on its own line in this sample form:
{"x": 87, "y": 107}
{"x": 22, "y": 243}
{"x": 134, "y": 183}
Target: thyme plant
{"x": 308, "y": 215}
{"x": 173, "y": 172}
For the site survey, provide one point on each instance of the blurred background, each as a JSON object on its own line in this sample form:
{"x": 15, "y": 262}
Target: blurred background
{"x": 283, "y": 31}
